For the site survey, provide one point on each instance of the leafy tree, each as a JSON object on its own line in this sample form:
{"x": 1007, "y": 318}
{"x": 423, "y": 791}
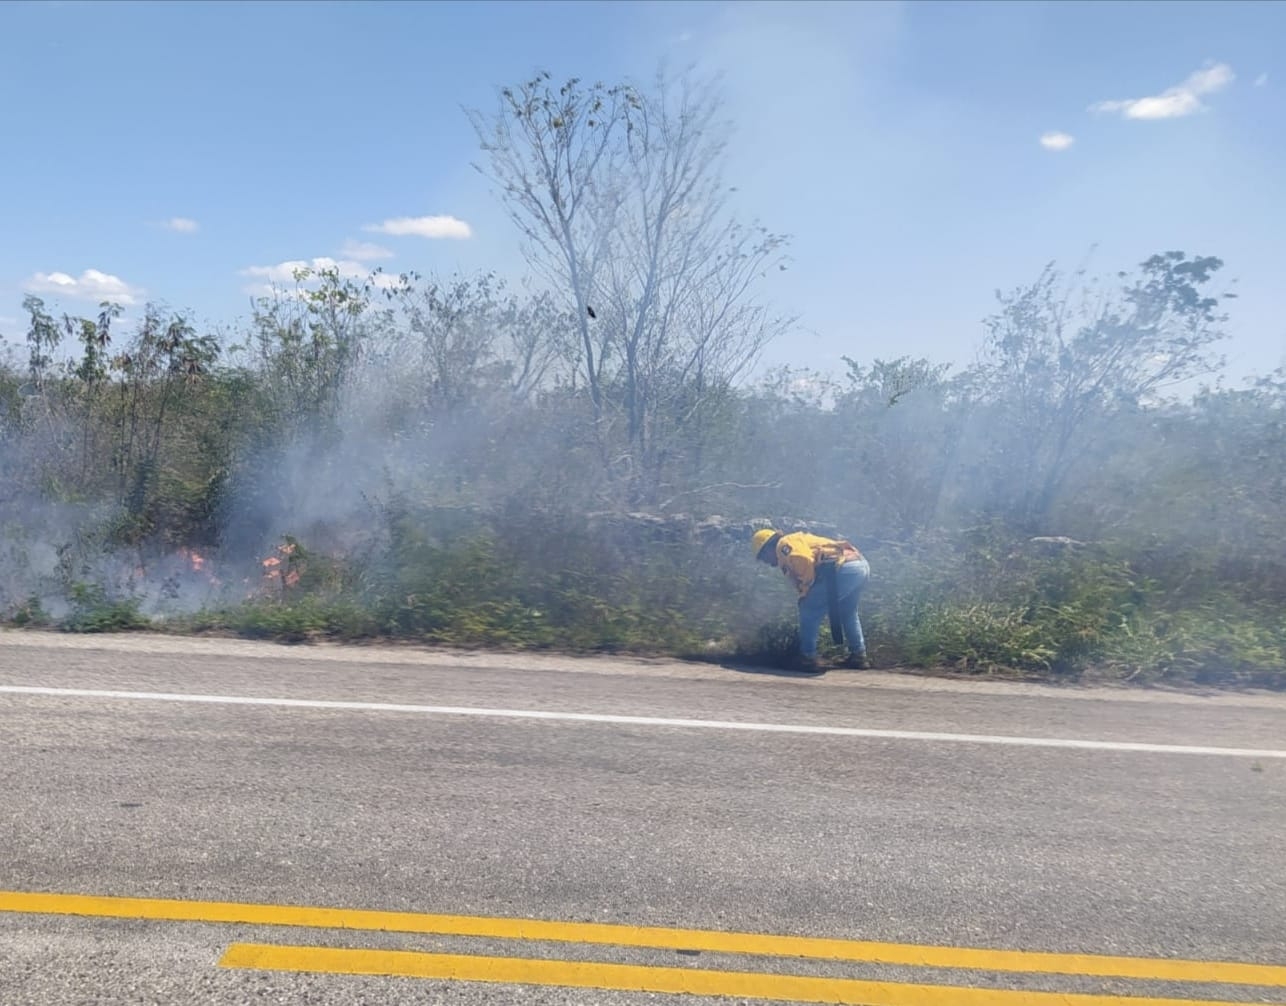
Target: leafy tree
{"x": 1057, "y": 365}
{"x": 467, "y": 337}
{"x": 309, "y": 342}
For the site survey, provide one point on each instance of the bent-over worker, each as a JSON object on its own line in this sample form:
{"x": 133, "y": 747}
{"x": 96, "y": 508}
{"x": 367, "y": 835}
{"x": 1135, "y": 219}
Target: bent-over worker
{"x": 828, "y": 574}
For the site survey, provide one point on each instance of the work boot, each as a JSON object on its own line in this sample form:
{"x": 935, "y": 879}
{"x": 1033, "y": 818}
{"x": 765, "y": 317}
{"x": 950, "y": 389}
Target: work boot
{"x": 857, "y": 662}
{"x": 808, "y": 665}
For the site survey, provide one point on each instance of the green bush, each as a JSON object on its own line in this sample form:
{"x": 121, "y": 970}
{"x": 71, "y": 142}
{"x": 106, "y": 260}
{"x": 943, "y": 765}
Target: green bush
{"x": 300, "y": 620}
{"x": 978, "y": 637}
{"x": 93, "y": 611}
{"x": 1219, "y": 641}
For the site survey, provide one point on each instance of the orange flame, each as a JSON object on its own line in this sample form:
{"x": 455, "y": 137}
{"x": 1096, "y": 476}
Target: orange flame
{"x": 284, "y": 575}
{"x": 193, "y": 559}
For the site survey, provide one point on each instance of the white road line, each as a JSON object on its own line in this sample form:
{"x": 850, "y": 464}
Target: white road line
{"x": 647, "y": 721}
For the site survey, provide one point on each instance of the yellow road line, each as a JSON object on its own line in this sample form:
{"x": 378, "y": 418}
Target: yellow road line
{"x": 633, "y": 978}
{"x": 705, "y": 940}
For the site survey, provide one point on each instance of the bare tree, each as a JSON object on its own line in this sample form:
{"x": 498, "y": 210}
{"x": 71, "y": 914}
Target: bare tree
{"x": 555, "y": 154}
{"x": 621, "y": 197}
{"x": 680, "y": 271}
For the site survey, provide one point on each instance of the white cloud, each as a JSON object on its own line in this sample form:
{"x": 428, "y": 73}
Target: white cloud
{"x": 271, "y": 291}
{"x": 364, "y": 251}
{"x": 386, "y": 281}
{"x": 1261, "y": 80}
{"x": 184, "y": 225}
{"x": 1174, "y": 102}
{"x": 90, "y": 285}
{"x": 284, "y": 272}
{"x": 1057, "y": 141}
{"x": 279, "y": 279}
{"x": 424, "y": 227}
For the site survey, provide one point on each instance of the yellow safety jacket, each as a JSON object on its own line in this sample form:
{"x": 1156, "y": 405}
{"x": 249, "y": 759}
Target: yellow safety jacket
{"x": 798, "y": 555}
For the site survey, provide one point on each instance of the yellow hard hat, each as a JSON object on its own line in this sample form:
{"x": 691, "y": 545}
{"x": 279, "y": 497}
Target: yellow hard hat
{"x": 761, "y": 538}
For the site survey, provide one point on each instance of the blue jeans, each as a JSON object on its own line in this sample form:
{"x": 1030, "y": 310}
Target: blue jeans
{"x": 814, "y": 608}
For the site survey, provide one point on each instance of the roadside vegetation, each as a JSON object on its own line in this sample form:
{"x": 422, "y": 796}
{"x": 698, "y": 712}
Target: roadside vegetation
{"x": 578, "y": 465}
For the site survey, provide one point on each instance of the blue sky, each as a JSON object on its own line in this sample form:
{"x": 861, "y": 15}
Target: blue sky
{"x": 899, "y": 144}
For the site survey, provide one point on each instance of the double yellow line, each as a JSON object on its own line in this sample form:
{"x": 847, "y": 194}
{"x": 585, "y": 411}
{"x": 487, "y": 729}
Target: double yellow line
{"x": 633, "y": 978}
{"x": 648, "y": 978}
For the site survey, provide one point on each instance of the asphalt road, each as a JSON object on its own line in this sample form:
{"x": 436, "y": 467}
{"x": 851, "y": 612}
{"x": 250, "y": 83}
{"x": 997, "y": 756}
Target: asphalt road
{"x": 859, "y": 806}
